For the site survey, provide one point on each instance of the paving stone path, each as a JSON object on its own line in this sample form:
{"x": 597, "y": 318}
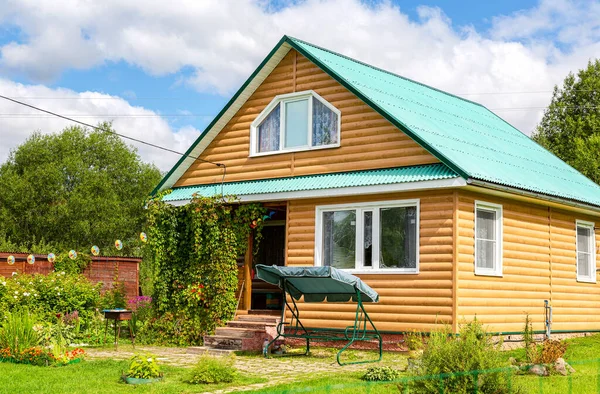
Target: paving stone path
{"x": 277, "y": 370}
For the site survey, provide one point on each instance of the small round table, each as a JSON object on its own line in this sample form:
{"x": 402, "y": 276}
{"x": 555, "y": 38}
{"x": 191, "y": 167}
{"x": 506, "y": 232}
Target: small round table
{"x": 118, "y": 315}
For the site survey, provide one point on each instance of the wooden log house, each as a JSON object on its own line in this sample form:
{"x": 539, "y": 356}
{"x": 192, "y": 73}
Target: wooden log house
{"x": 442, "y": 207}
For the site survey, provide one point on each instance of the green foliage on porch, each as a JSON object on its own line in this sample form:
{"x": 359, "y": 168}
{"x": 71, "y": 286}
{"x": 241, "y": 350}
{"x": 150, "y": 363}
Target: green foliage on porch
{"x": 195, "y": 249}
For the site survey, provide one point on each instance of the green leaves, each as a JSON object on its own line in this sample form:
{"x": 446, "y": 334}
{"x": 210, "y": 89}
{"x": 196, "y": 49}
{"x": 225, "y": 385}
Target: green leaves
{"x": 74, "y": 189}
{"x": 199, "y": 244}
{"x": 570, "y": 127}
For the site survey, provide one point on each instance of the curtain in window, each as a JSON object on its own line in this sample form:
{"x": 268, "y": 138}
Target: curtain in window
{"x": 269, "y": 132}
{"x": 398, "y": 233}
{"x": 584, "y": 253}
{"x": 339, "y": 239}
{"x": 486, "y": 239}
{"x": 324, "y": 124}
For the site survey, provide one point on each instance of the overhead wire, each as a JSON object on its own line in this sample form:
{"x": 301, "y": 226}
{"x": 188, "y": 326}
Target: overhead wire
{"x": 220, "y": 165}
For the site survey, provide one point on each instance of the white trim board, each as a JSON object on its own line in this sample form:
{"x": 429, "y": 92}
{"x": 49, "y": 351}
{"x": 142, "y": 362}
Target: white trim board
{"x": 347, "y": 191}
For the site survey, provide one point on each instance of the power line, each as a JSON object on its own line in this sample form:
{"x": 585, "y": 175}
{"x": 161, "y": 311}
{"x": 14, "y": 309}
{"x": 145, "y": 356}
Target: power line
{"x": 221, "y": 165}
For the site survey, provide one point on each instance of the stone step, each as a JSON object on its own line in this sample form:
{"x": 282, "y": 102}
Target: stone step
{"x": 265, "y": 312}
{"x": 259, "y": 318}
{"x": 236, "y": 332}
{"x": 251, "y": 325}
{"x": 223, "y": 342}
{"x": 209, "y": 350}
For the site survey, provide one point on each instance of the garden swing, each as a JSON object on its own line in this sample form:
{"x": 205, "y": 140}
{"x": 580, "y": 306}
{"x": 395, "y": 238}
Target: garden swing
{"x": 318, "y": 284}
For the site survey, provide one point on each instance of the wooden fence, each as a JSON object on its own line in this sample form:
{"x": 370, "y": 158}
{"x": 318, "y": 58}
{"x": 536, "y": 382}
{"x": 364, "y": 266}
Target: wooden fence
{"x": 101, "y": 269}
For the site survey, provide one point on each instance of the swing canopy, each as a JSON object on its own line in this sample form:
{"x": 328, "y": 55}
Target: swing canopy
{"x": 317, "y": 284}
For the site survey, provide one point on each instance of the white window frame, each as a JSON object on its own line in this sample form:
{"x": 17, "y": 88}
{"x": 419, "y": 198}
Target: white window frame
{"x": 282, "y": 99}
{"x": 497, "y": 208}
{"x": 590, "y": 226}
{"x": 360, "y": 208}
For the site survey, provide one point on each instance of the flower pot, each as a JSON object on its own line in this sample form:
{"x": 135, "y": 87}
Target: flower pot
{"x": 129, "y": 380}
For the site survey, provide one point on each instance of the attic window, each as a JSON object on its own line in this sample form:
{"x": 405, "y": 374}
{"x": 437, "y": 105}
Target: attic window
{"x": 295, "y": 122}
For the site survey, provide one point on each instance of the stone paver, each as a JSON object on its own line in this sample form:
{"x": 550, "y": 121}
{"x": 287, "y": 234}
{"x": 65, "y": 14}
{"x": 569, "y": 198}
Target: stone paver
{"x": 277, "y": 370}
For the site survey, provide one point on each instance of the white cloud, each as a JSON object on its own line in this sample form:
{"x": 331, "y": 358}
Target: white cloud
{"x": 224, "y": 40}
{"x": 18, "y": 122}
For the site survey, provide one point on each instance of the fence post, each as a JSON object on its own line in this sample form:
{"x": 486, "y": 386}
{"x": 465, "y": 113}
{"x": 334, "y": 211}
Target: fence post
{"x": 540, "y": 380}
{"x": 476, "y": 382}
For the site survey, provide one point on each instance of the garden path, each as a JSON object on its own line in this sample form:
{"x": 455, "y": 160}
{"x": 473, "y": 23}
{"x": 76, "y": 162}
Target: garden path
{"x": 277, "y": 370}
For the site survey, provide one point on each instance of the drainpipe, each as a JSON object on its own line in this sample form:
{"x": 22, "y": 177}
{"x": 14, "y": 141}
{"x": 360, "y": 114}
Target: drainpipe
{"x": 548, "y": 318}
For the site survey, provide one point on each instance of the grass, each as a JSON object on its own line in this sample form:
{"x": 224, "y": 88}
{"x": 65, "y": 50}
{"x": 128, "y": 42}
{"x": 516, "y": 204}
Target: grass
{"x": 101, "y": 376}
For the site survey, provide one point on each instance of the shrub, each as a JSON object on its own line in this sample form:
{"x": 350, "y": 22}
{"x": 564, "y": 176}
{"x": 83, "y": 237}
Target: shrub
{"x": 210, "y": 370}
{"x": 472, "y": 350}
{"x": 170, "y": 329}
{"x": 50, "y": 296}
{"x": 413, "y": 340}
{"x": 143, "y": 367}
{"x": 549, "y": 351}
{"x": 374, "y": 374}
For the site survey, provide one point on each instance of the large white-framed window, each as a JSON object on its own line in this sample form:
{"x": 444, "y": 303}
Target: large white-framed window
{"x": 374, "y": 237}
{"x": 586, "y": 251}
{"x": 295, "y": 122}
{"x": 488, "y": 239}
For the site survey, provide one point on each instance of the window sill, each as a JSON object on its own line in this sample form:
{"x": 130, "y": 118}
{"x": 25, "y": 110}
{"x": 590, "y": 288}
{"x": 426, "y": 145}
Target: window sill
{"x": 300, "y": 149}
{"x": 586, "y": 280}
{"x": 380, "y": 271}
{"x": 494, "y": 274}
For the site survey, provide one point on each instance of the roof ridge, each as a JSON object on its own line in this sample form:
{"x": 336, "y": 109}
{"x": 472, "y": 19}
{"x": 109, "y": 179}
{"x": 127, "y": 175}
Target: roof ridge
{"x": 384, "y": 71}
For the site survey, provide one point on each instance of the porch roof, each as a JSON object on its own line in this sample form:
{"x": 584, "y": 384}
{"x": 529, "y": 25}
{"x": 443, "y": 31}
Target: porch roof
{"x": 307, "y": 183}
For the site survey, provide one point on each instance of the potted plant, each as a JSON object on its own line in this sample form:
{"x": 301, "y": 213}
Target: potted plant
{"x": 414, "y": 343}
{"x": 143, "y": 370}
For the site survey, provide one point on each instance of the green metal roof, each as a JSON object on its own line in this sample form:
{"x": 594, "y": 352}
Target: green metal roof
{"x": 466, "y": 136}
{"x": 317, "y": 182}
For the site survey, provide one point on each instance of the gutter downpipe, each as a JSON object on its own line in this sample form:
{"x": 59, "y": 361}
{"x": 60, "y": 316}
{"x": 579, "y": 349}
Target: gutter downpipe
{"x": 539, "y": 196}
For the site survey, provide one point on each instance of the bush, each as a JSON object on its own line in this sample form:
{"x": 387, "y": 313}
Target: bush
{"x": 549, "y": 351}
{"x": 50, "y": 296}
{"x": 211, "y": 370}
{"x": 170, "y": 329}
{"x": 472, "y": 350}
{"x": 375, "y": 374}
{"x": 413, "y": 340}
{"x": 143, "y": 367}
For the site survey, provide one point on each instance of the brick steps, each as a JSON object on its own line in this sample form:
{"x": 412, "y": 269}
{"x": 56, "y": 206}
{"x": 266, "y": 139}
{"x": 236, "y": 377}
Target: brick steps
{"x": 246, "y": 332}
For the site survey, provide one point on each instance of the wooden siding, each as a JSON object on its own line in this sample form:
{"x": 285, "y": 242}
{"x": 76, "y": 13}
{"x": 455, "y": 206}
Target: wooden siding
{"x": 539, "y": 263}
{"x": 407, "y": 301}
{"x": 368, "y": 140}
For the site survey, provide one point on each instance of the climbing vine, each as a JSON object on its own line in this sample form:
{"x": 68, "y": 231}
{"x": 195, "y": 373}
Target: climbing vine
{"x": 195, "y": 250}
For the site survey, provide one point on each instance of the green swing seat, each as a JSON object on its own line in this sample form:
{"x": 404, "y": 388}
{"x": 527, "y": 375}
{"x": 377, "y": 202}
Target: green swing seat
{"x": 319, "y": 284}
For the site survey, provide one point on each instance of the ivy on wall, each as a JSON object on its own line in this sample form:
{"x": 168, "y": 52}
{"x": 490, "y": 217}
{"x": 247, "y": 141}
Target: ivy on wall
{"x": 195, "y": 249}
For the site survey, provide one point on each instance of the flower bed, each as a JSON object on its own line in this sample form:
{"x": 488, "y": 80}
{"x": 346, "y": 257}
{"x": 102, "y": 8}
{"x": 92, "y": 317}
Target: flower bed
{"x": 42, "y": 357}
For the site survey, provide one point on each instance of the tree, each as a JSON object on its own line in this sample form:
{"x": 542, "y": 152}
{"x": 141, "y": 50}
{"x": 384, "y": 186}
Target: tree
{"x": 570, "y": 127}
{"x": 73, "y": 190}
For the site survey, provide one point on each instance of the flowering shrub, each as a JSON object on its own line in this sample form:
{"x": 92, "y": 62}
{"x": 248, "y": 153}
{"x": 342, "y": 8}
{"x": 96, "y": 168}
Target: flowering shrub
{"x": 50, "y": 296}
{"x": 141, "y": 306}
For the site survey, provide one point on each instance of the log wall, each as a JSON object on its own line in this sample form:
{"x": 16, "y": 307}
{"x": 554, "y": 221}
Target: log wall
{"x": 368, "y": 140}
{"x": 407, "y": 301}
{"x": 539, "y": 263}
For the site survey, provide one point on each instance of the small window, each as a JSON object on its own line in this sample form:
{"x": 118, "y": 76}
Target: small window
{"x": 295, "y": 122}
{"x": 488, "y": 239}
{"x": 368, "y": 237}
{"x": 586, "y": 256}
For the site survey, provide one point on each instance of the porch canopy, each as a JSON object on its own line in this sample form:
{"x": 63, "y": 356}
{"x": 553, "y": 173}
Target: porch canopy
{"x": 317, "y": 284}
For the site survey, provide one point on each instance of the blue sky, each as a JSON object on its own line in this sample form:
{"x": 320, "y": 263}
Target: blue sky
{"x": 162, "y": 72}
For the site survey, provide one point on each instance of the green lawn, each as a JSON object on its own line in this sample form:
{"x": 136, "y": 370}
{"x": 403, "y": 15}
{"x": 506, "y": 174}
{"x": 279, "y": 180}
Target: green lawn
{"x": 103, "y": 376}
{"x": 96, "y": 377}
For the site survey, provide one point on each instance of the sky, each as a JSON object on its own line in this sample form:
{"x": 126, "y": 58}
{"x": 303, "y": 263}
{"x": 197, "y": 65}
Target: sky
{"x": 160, "y": 71}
